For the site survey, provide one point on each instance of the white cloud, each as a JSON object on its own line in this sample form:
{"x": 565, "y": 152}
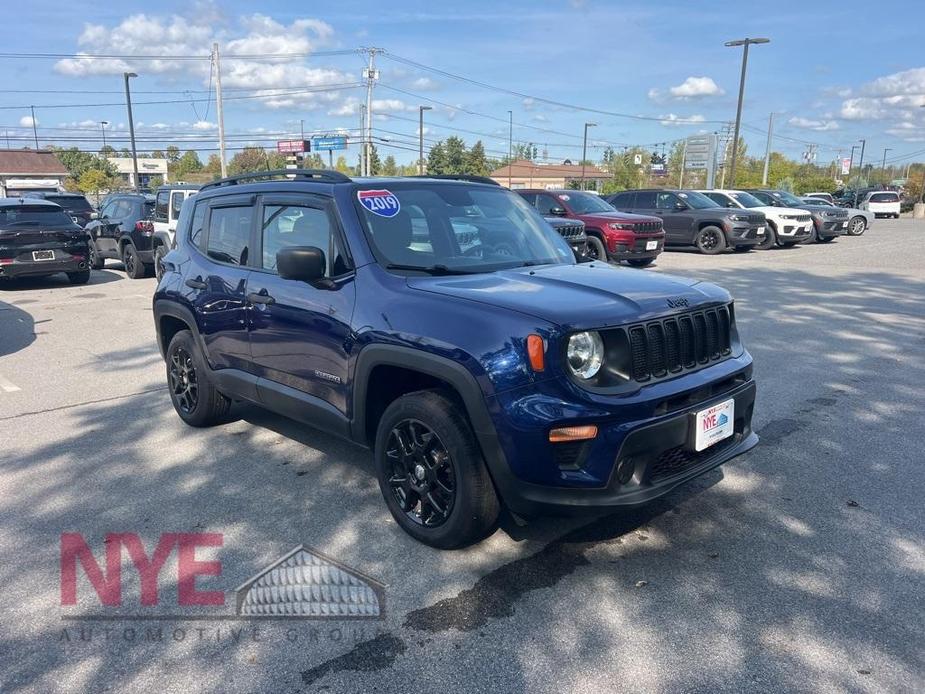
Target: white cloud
{"x": 204, "y": 125}
{"x": 691, "y": 88}
{"x": 27, "y": 122}
{"x": 673, "y": 119}
{"x": 897, "y": 95}
{"x": 425, "y": 84}
{"x": 528, "y": 103}
{"x": 908, "y": 131}
{"x": 812, "y": 124}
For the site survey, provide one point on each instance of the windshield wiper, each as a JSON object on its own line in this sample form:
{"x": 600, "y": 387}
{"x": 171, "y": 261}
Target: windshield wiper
{"x": 431, "y": 269}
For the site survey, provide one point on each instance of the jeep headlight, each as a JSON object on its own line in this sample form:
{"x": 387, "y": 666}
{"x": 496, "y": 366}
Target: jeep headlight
{"x": 739, "y": 218}
{"x": 585, "y": 354}
{"x": 620, "y": 226}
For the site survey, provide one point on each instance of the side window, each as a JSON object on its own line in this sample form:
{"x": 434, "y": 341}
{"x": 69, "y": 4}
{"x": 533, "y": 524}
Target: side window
{"x": 546, "y": 203}
{"x": 121, "y": 209}
{"x": 297, "y": 225}
{"x": 160, "y": 206}
{"x": 199, "y": 218}
{"x": 176, "y": 204}
{"x": 645, "y": 200}
{"x": 624, "y": 200}
{"x": 107, "y": 209}
{"x": 529, "y": 198}
{"x": 230, "y": 234}
{"x": 720, "y": 199}
{"x": 666, "y": 201}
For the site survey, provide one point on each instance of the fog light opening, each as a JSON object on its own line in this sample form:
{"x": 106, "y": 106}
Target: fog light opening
{"x": 625, "y": 470}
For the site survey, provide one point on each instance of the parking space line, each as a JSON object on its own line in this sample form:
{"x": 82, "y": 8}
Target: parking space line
{"x": 7, "y": 386}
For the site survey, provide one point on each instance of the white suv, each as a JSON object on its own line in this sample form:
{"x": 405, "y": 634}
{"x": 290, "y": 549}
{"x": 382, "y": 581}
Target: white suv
{"x": 786, "y": 225}
{"x": 883, "y": 203}
{"x": 167, "y": 205}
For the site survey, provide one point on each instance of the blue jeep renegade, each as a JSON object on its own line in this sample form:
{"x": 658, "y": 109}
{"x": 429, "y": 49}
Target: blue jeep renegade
{"x": 443, "y": 324}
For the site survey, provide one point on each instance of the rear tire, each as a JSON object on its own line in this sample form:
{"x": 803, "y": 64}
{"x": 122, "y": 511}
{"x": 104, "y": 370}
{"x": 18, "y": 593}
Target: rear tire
{"x": 431, "y": 472}
{"x": 134, "y": 268}
{"x": 81, "y": 277}
{"x": 195, "y": 399}
{"x": 97, "y": 262}
{"x": 596, "y": 250}
{"x": 710, "y": 240}
{"x": 641, "y": 262}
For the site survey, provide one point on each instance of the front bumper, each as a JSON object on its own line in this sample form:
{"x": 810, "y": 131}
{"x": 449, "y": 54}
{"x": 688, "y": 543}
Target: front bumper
{"x": 792, "y": 231}
{"x": 629, "y": 462}
{"x": 634, "y": 247}
{"x": 742, "y": 234}
{"x": 22, "y": 266}
{"x": 834, "y": 227}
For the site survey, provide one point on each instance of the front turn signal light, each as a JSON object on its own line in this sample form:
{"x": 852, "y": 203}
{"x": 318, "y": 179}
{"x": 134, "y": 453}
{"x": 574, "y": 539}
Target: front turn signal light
{"x": 536, "y": 352}
{"x": 563, "y": 434}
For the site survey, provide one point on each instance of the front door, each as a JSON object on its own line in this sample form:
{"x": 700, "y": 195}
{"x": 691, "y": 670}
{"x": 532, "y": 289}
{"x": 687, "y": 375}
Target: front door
{"x": 109, "y": 230}
{"x": 677, "y": 221}
{"x": 300, "y": 333}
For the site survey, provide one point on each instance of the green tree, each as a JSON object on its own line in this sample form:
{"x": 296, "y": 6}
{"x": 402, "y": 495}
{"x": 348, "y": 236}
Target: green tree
{"x": 158, "y": 154}
{"x": 476, "y": 161}
{"x": 456, "y": 155}
{"x": 249, "y": 160}
{"x": 77, "y": 162}
{"x": 185, "y": 165}
{"x": 342, "y": 165}
{"x": 94, "y": 182}
{"x": 173, "y": 153}
{"x": 313, "y": 161}
{"x": 375, "y": 163}
{"x": 213, "y": 166}
{"x": 436, "y": 159}
{"x": 107, "y": 151}
{"x": 389, "y": 167}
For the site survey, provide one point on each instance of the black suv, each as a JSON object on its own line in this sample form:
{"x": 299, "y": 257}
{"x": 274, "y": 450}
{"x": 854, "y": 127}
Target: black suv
{"x": 124, "y": 231}
{"x": 75, "y": 204}
{"x": 573, "y": 231}
{"x": 444, "y": 325}
{"x": 39, "y": 238}
{"x": 692, "y": 219}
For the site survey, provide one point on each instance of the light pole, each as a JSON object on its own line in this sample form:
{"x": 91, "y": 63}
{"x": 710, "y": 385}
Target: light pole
{"x": 421, "y": 110}
{"x": 35, "y": 132}
{"x": 131, "y": 126}
{"x": 767, "y": 151}
{"x": 103, "y": 124}
{"x": 510, "y": 148}
{"x": 851, "y": 161}
{"x": 860, "y": 171}
{"x": 735, "y": 141}
{"x": 883, "y": 164}
{"x": 584, "y": 153}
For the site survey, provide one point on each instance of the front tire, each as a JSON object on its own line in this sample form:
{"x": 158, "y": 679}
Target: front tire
{"x": 857, "y": 226}
{"x": 824, "y": 239}
{"x": 134, "y": 268}
{"x": 710, "y": 240}
{"x": 431, "y": 472}
{"x": 641, "y": 262}
{"x": 768, "y": 240}
{"x": 596, "y": 250}
{"x": 195, "y": 399}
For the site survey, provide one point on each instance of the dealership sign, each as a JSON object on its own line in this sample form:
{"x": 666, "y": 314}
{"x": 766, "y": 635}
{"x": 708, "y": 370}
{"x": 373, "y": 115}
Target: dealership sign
{"x": 845, "y": 166}
{"x": 334, "y": 142}
{"x": 293, "y": 146}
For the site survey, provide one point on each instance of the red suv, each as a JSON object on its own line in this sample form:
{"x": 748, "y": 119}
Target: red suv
{"x": 635, "y": 238}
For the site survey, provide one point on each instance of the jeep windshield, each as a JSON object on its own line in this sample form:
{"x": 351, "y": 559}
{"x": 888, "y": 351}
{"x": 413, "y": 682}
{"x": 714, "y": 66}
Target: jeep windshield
{"x": 450, "y": 228}
{"x": 585, "y": 203}
{"x": 747, "y": 199}
{"x": 697, "y": 201}
{"x": 789, "y": 199}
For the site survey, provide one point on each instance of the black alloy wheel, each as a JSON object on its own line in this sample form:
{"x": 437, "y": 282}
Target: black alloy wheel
{"x": 184, "y": 382}
{"x": 596, "y": 249}
{"x": 422, "y": 477}
{"x": 710, "y": 240}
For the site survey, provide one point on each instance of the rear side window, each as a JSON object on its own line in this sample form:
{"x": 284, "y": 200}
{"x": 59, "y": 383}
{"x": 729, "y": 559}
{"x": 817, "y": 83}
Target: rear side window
{"x": 160, "y": 206}
{"x": 199, "y": 218}
{"x": 70, "y": 202}
{"x": 229, "y": 234}
{"x": 622, "y": 200}
{"x": 884, "y": 197}
{"x": 176, "y": 204}
{"x": 545, "y": 204}
{"x": 645, "y": 200}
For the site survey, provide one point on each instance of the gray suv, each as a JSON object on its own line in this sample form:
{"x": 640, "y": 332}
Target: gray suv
{"x": 692, "y": 219}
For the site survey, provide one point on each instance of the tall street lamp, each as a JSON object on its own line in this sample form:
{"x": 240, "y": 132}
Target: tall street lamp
{"x": 510, "y": 148}
{"x": 735, "y": 142}
{"x": 131, "y": 126}
{"x": 421, "y": 110}
{"x": 103, "y": 124}
{"x": 584, "y": 153}
{"x": 860, "y": 171}
{"x": 883, "y": 164}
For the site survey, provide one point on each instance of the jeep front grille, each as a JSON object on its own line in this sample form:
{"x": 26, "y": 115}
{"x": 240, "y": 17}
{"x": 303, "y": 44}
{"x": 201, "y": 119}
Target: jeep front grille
{"x": 571, "y": 232}
{"x": 678, "y": 343}
{"x": 647, "y": 227}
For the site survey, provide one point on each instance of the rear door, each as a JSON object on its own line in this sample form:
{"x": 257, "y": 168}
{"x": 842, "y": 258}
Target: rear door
{"x": 299, "y": 332}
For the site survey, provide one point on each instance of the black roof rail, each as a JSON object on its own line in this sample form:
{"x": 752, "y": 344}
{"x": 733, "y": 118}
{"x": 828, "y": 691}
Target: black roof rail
{"x": 463, "y": 177}
{"x": 324, "y": 175}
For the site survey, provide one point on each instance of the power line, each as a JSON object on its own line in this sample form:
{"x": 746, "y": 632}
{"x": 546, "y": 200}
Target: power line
{"x": 203, "y": 56}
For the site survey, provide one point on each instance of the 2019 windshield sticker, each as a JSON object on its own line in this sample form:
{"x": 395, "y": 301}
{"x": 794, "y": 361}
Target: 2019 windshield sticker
{"x": 380, "y": 202}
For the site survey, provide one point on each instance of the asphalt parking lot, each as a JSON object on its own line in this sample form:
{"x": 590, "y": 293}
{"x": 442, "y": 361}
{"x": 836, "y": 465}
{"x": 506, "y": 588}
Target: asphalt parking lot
{"x": 799, "y": 566}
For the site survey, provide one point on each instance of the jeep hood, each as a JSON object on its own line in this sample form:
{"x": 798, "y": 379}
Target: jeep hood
{"x": 771, "y": 211}
{"x": 590, "y": 295}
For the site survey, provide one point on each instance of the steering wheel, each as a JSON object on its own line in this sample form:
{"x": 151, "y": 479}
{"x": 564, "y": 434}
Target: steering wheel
{"x": 482, "y": 250}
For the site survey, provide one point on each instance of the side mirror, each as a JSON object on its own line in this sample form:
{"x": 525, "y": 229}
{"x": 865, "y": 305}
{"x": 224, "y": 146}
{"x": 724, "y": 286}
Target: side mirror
{"x": 557, "y": 211}
{"x": 731, "y": 205}
{"x": 301, "y": 263}
{"x": 680, "y": 205}
{"x": 94, "y": 216}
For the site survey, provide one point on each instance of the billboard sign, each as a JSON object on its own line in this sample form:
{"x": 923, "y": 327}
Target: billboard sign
{"x": 293, "y": 146}
{"x": 330, "y": 142}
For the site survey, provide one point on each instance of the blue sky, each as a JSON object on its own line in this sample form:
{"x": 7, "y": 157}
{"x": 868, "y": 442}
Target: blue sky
{"x": 833, "y": 72}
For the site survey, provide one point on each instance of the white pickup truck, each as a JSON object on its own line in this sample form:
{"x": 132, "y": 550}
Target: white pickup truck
{"x": 167, "y": 205}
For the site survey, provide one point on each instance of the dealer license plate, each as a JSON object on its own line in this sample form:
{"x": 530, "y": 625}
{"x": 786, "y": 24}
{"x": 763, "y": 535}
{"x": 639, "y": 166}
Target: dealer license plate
{"x": 844, "y": 225}
{"x": 760, "y": 231}
{"x": 651, "y": 245}
{"x": 714, "y": 424}
{"x": 43, "y": 255}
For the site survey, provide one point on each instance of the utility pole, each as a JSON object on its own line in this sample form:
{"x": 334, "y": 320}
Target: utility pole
{"x": 131, "y": 126}
{"x": 421, "y": 110}
{"x": 883, "y": 164}
{"x": 767, "y": 151}
{"x": 683, "y": 164}
{"x": 510, "y": 147}
{"x": 584, "y": 153}
{"x": 35, "y": 132}
{"x": 362, "y": 137}
{"x": 219, "y": 107}
{"x": 735, "y": 142}
{"x": 860, "y": 171}
{"x": 103, "y": 124}
{"x": 371, "y": 74}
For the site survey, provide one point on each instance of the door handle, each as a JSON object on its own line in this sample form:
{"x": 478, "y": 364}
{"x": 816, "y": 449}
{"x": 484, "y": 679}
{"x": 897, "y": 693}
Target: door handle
{"x": 261, "y": 297}
{"x": 196, "y": 283}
